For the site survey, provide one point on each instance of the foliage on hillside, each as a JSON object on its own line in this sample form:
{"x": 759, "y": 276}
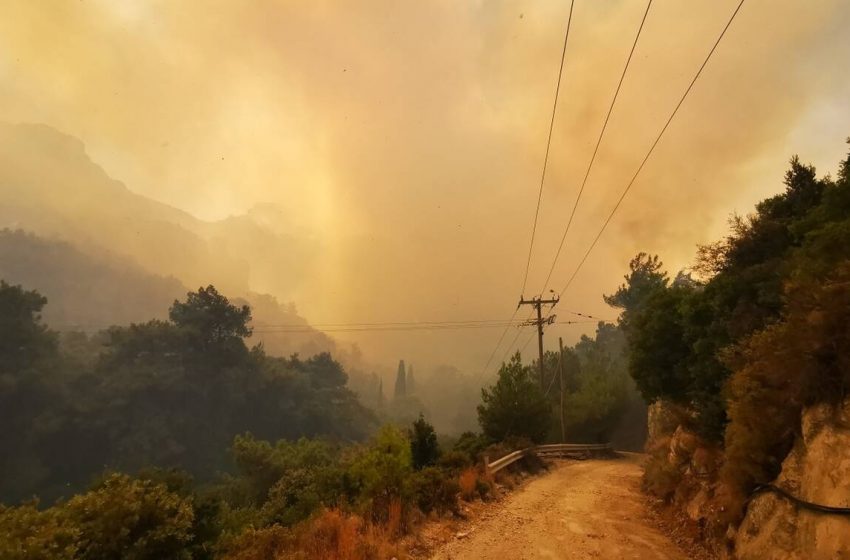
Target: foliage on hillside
{"x": 89, "y": 291}
{"x": 162, "y": 400}
{"x": 85, "y": 290}
{"x": 515, "y": 406}
{"x": 600, "y": 401}
{"x": 312, "y": 499}
{"x": 165, "y": 393}
{"x": 762, "y": 333}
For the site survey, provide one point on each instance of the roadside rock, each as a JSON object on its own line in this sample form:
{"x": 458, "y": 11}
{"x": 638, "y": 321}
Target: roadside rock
{"x": 817, "y": 470}
{"x": 683, "y": 444}
{"x": 662, "y": 421}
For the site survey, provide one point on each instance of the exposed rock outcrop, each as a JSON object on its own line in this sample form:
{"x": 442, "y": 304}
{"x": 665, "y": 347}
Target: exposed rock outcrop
{"x": 817, "y": 470}
{"x": 662, "y": 421}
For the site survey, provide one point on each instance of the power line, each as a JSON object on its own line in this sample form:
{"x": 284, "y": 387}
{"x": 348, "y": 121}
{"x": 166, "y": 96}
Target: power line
{"x": 262, "y": 329}
{"x": 359, "y": 327}
{"x": 513, "y": 342}
{"x": 596, "y": 148}
{"x": 511, "y": 345}
{"x": 548, "y": 145}
{"x": 329, "y": 326}
{"x": 540, "y": 190}
{"x": 551, "y": 382}
{"x": 529, "y": 339}
{"x": 306, "y": 323}
{"x": 493, "y": 353}
{"x": 652, "y": 147}
{"x": 588, "y": 316}
{"x": 390, "y": 323}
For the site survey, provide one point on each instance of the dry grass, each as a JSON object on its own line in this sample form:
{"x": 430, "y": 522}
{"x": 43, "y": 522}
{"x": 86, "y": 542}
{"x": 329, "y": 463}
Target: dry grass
{"x": 394, "y": 518}
{"x": 467, "y": 482}
{"x": 334, "y": 535}
{"x": 330, "y": 535}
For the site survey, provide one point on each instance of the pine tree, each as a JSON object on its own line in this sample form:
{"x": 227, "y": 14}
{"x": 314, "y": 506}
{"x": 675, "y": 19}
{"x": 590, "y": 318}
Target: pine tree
{"x": 423, "y": 444}
{"x": 411, "y": 384}
{"x": 400, "y": 381}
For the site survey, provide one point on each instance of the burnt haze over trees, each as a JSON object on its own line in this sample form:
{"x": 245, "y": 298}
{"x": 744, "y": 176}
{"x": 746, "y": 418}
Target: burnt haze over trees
{"x": 170, "y": 393}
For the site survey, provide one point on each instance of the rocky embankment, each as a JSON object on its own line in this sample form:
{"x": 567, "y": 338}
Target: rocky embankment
{"x": 816, "y": 470}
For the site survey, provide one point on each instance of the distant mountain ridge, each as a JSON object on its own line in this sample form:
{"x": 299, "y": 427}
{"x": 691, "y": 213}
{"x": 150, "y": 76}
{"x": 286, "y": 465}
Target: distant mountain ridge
{"x": 84, "y": 292}
{"x": 90, "y": 293}
{"x": 103, "y": 254}
{"x": 50, "y": 186}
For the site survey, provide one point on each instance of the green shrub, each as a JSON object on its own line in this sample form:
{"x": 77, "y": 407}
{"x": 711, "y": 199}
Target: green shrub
{"x": 436, "y": 490}
{"x": 120, "y": 519}
{"x": 423, "y": 444}
{"x": 800, "y": 361}
{"x": 27, "y": 533}
{"x": 258, "y": 544}
{"x": 515, "y": 405}
{"x": 262, "y": 465}
{"x": 127, "y": 518}
{"x": 472, "y": 445}
{"x": 381, "y": 472}
{"x": 455, "y": 461}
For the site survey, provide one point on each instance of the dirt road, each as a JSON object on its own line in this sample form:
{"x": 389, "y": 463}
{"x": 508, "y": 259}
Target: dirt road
{"x": 583, "y": 509}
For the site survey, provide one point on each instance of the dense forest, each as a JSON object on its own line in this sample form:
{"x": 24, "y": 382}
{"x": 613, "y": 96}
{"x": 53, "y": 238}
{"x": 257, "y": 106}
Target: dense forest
{"x": 600, "y": 400}
{"x": 759, "y": 330}
{"x": 175, "y": 438}
{"x": 167, "y": 392}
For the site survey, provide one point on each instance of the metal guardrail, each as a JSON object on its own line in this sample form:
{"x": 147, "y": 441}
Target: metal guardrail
{"x": 546, "y": 450}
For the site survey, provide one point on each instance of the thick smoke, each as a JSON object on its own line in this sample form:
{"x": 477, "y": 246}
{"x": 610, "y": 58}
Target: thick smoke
{"x": 402, "y": 141}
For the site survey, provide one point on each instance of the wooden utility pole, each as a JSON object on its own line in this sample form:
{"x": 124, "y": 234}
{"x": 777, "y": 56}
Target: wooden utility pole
{"x": 561, "y": 383}
{"x": 538, "y": 303}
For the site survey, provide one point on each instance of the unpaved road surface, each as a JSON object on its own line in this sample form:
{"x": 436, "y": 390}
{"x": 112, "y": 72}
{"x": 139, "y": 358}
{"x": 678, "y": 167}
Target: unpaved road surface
{"x": 582, "y": 509}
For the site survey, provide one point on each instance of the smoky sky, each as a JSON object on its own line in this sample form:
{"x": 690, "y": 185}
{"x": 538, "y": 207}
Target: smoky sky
{"x": 405, "y": 139}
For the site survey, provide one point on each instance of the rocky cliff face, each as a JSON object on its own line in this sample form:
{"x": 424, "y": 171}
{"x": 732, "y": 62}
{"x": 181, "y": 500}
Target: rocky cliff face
{"x": 682, "y": 469}
{"x": 817, "y": 470}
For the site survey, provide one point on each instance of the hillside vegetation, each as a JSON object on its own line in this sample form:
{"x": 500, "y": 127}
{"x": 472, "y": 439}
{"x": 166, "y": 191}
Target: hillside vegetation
{"x": 256, "y": 251}
{"x": 173, "y": 438}
{"x": 759, "y": 334}
{"x": 170, "y": 393}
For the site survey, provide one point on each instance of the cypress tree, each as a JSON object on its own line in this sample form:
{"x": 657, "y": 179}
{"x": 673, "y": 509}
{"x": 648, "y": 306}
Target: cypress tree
{"x": 400, "y": 381}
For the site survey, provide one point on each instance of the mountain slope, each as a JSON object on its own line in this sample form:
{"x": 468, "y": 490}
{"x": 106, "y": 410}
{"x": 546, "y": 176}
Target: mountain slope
{"x": 50, "y": 186}
{"x": 86, "y": 292}
{"x": 91, "y": 292}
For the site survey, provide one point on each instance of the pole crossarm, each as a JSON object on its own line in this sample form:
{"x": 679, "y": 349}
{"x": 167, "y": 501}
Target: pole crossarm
{"x": 538, "y": 303}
